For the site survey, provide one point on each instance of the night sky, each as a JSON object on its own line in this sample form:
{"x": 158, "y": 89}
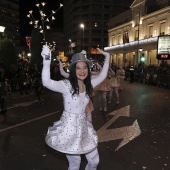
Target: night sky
{"x": 27, "y": 5}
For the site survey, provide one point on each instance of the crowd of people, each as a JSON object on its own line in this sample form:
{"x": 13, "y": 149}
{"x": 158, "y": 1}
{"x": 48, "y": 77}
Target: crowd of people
{"x": 20, "y": 78}
{"x": 151, "y": 74}
{"x": 23, "y": 78}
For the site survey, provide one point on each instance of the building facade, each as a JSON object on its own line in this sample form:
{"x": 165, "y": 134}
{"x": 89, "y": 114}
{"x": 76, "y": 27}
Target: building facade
{"x": 94, "y": 16}
{"x": 135, "y": 32}
{"x": 9, "y": 18}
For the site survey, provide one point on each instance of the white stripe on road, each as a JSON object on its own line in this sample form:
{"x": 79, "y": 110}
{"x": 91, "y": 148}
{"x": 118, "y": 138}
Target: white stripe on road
{"x": 20, "y": 124}
{"x": 22, "y": 104}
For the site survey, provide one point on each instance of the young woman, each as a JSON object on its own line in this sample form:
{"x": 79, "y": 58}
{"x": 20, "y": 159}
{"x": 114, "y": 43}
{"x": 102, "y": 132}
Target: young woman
{"x": 73, "y": 134}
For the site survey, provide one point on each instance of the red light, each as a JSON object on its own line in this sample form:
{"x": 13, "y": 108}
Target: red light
{"x": 164, "y": 56}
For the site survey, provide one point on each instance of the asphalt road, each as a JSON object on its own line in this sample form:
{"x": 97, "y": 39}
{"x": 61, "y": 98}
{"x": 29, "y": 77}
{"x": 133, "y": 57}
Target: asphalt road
{"x": 135, "y": 137}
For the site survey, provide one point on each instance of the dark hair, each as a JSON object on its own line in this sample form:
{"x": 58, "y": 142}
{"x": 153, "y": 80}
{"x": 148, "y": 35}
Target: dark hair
{"x": 73, "y": 80}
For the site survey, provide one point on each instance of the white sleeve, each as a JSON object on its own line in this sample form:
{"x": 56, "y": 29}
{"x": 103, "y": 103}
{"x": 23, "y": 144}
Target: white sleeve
{"x": 57, "y": 86}
{"x": 96, "y": 81}
{"x": 63, "y": 73}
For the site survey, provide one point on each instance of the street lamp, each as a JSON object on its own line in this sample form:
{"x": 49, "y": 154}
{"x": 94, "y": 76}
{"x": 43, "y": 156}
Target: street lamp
{"x": 2, "y": 29}
{"x": 29, "y": 54}
{"x": 82, "y": 26}
{"x": 70, "y": 42}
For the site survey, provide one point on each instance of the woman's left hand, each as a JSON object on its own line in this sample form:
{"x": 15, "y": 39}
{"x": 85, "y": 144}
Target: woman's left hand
{"x": 106, "y": 54}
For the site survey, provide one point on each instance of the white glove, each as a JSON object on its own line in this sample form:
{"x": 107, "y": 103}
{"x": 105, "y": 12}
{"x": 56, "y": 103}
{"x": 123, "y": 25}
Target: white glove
{"x": 106, "y": 54}
{"x": 46, "y": 53}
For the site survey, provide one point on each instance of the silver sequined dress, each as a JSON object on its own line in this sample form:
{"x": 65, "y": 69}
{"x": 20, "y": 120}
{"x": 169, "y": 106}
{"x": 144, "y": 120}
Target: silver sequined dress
{"x": 72, "y": 134}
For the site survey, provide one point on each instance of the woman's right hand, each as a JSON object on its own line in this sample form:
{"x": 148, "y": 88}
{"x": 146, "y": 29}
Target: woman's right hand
{"x": 46, "y": 53}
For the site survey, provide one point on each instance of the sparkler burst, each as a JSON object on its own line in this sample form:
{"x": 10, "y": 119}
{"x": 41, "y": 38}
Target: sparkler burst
{"x": 45, "y": 21}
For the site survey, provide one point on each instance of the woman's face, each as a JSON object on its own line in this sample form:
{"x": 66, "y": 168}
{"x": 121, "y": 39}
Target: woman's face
{"x": 81, "y": 70}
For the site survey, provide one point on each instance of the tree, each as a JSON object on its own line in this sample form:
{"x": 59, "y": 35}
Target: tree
{"x": 8, "y": 53}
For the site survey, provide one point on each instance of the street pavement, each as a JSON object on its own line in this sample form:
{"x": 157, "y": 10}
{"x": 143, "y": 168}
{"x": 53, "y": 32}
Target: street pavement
{"x": 134, "y": 136}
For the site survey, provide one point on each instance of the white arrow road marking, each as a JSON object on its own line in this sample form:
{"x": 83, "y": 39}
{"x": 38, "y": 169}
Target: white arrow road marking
{"x": 22, "y": 104}
{"x": 29, "y": 121}
{"x": 126, "y": 133}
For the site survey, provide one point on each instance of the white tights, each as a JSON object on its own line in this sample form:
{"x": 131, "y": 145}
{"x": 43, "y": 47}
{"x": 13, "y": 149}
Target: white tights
{"x": 75, "y": 160}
